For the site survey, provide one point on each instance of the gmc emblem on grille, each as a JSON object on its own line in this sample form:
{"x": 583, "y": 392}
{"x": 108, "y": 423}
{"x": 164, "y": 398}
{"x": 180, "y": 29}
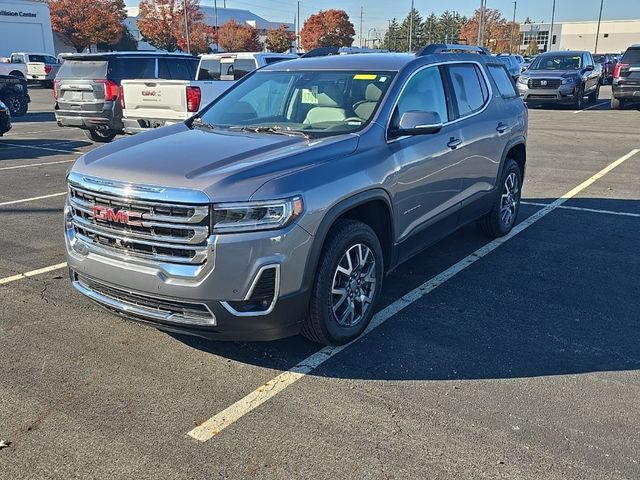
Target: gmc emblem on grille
{"x": 543, "y": 83}
{"x": 117, "y": 216}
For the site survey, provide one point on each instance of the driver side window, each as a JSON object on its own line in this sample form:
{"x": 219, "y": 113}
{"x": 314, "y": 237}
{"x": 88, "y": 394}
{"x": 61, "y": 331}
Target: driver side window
{"x": 423, "y": 92}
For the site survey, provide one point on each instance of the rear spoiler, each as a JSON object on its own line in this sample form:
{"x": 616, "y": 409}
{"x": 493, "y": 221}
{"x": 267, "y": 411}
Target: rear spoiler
{"x": 435, "y": 48}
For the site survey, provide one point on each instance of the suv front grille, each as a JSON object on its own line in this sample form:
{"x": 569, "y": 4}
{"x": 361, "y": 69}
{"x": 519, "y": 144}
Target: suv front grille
{"x": 172, "y": 233}
{"x": 540, "y": 82}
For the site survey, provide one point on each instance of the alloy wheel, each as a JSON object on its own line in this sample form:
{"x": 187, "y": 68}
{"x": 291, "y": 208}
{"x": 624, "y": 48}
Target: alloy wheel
{"x": 354, "y": 285}
{"x": 509, "y": 200}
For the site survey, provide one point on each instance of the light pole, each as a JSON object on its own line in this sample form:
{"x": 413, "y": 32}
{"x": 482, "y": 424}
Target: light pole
{"x": 553, "y": 17}
{"x": 298, "y": 31}
{"x": 366, "y": 42}
{"x": 410, "y": 44}
{"x": 598, "y": 32}
{"x": 513, "y": 24}
{"x": 186, "y": 27}
{"x": 481, "y": 23}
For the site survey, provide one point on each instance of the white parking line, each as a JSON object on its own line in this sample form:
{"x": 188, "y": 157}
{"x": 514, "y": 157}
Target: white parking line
{"x": 592, "y": 106}
{"x": 13, "y": 202}
{"x": 36, "y": 164}
{"x": 582, "y": 209}
{"x": 233, "y": 413}
{"x": 39, "y": 148}
{"x": 21, "y": 276}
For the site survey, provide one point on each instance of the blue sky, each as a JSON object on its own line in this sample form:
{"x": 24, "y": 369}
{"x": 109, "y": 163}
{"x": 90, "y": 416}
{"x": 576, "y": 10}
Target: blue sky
{"x": 376, "y": 13}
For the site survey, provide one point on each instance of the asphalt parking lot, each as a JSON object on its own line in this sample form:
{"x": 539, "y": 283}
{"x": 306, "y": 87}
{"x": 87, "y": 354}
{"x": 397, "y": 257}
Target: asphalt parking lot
{"x": 517, "y": 358}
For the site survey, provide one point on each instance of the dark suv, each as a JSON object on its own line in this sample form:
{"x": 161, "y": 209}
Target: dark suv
{"x": 626, "y": 79}
{"x": 279, "y": 207}
{"x": 561, "y": 78}
{"x": 608, "y": 63}
{"x": 87, "y": 87}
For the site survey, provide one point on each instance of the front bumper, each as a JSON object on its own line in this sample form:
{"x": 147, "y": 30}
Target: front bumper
{"x": 158, "y": 293}
{"x": 565, "y": 94}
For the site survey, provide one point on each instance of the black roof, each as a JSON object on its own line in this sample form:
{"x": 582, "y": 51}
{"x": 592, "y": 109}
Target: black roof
{"x": 565, "y": 52}
{"x": 359, "y": 61}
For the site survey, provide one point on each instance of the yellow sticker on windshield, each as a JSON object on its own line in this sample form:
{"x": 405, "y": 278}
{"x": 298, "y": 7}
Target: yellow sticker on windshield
{"x": 365, "y": 76}
{"x": 310, "y": 96}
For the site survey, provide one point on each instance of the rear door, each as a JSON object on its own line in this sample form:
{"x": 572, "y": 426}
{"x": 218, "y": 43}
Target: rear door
{"x": 485, "y": 125}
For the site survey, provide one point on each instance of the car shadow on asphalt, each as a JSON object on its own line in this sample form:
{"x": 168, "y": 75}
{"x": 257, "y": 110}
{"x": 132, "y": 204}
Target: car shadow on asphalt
{"x": 34, "y": 117}
{"x": 23, "y": 148}
{"x": 558, "y": 300}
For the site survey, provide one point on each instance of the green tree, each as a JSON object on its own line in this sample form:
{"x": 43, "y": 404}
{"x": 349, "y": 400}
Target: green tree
{"x": 390, "y": 40}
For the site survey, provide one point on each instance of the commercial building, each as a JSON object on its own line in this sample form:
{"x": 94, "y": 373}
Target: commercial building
{"x": 212, "y": 17}
{"x": 614, "y": 36}
{"x": 25, "y": 26}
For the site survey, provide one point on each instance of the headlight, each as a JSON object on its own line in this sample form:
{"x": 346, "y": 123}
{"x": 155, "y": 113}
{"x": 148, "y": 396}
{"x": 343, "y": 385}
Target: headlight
{"x": 523, "y": 80}
{"x": 254, "y": 216}
{"x": 566, "y": 81}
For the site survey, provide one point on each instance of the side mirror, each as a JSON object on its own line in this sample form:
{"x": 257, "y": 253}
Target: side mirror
{"x": 589, "y": 68}
{"x": 415, "y": 122}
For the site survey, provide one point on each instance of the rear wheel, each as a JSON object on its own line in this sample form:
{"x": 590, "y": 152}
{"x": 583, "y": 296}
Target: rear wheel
{"x": 17, "y": 73}
{"x": 100, "y": 136}
{"x": 347, "y": 284}
{"x": 502, "y": 217}
{"x": 616, "y": 104}
{"x": 17, "y": 104}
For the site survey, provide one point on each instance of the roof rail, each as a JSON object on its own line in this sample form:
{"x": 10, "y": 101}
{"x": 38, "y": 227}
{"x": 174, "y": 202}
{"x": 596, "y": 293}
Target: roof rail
{"x": 444, "y": 48}
{"x": 325, "y": 51}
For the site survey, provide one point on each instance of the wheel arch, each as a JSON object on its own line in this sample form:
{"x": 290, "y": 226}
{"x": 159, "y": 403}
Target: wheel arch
{"x": 516, "y": 150}
{"x": 372, "y": 207}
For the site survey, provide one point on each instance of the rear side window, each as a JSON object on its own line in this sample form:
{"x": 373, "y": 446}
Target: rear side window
{"x": 469, "y": 88}
{"x": 631, "y": 56}
{"x": 90, "y": 69}
{"x": 241, "y": 67}
{"x": 175, "y": 69}
{"x": 423, "y": 92}
{"x": 38, "y": 58}
{"x": 270, "y": 60}
{"x": 130, "y": 68}
{"x": 503, "y": 81}
{"x": 209, "y": 70}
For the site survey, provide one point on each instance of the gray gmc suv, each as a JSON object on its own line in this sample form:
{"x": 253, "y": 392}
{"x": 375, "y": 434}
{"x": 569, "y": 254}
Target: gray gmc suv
{"x": 279, "y": 208}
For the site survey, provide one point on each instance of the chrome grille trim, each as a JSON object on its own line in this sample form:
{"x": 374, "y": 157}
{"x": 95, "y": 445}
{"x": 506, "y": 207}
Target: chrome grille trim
{"x": 141, "y": 306}
{"x": 168, "y": 232}
{"x": 552, "y": 83}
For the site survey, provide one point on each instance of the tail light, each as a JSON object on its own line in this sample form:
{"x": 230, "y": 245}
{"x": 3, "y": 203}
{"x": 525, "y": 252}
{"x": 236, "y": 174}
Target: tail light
{"x": 110, "y": 90}
{"x": 193, "y": 99}
{"x": 619, "y": 66}
{"x": 55, "y": 89}
{"x": 122, "y": 97}
{"x": 47, "y": 69}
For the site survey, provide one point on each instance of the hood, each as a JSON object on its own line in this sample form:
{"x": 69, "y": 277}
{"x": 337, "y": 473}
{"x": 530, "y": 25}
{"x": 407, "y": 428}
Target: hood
{"x": 227, "y": 166}
{"x": 551, "y": 73}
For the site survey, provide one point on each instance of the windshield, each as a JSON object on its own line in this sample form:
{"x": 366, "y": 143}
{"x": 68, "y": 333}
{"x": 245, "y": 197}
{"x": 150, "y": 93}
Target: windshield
{"x": 599, "y": 58}
{"x": 319, "y": 103}
{"x": 557, "y": 62}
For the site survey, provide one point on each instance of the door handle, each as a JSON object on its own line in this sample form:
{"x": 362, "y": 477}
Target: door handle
{"x": 454, "y": 143}
{"x": 502, "y": 127}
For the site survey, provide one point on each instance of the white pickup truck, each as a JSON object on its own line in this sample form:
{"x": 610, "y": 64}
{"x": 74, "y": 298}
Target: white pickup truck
{"x": 16, "y": 70}
{"x": 153, "y": 103}
{"x": 40, "y": 67}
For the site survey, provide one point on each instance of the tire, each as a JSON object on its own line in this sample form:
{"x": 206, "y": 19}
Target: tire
{"x": 17, "y": 73}
{"x": 578, "y": 102}
{"x": 100, "y": 136}
{"x": 496, "y": 223}
{"x": 17, "y": 104}
{"x": 616, "y": 104}
{"x": 593, "y": 97}
{"x": 351, "y": 263}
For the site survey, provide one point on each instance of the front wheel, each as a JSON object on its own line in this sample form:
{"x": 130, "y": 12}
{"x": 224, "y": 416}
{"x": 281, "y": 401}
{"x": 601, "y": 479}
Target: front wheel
{"x": 347, "y": 284}
{"x": 579, "y": 99}
{"x": 100, "y": 136}
{"x": 502, "y": 217}
{"x": 593, "y": 97}
{"x": 17, "y": 104}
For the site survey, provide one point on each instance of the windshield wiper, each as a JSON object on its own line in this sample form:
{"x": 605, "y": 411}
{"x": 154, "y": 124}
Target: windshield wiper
{"x": 275, "y": 129}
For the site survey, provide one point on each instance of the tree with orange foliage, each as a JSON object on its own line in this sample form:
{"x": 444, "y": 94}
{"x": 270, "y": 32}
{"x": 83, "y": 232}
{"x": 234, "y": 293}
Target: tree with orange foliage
{"x": 234, "y": 37}
{"x": 88, "y": 22}
{"x": 161, "y": 24}
{"x": 497, "y": 30}
{"x": 330, "y": 28}
{"x": 279, "y": 39}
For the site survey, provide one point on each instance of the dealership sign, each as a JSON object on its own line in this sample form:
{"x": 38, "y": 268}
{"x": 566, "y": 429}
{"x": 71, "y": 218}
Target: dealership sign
{"x": 9, "y": 13}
